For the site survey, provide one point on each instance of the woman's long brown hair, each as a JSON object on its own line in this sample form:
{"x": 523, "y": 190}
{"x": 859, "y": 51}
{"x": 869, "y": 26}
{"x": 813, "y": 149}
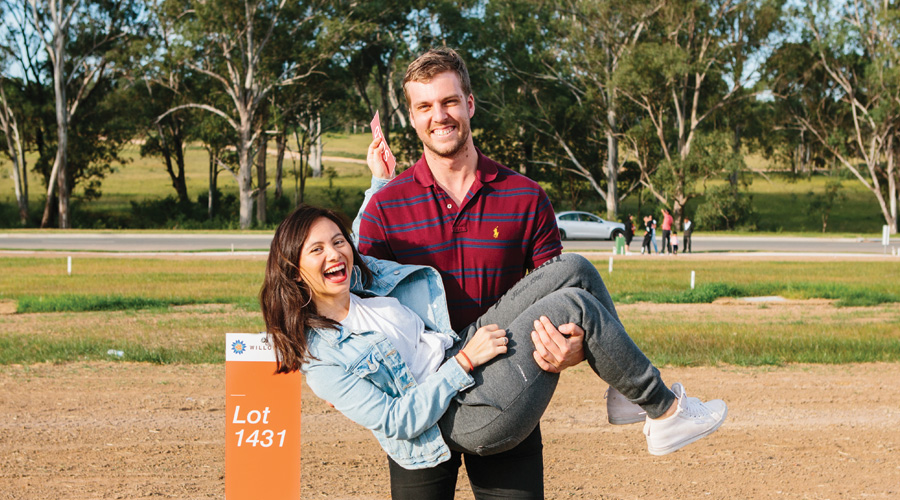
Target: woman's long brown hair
{"x": 287, "y": 305}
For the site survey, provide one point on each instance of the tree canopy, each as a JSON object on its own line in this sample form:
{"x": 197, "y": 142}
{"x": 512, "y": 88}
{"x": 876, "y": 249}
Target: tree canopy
{"x": 599, "y": 99}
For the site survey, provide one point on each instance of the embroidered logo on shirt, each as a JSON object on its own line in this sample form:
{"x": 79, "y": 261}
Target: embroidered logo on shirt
{"x": 496, "y": 232}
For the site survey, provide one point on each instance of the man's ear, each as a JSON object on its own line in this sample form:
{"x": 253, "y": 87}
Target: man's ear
{"x": 471, "y": 102}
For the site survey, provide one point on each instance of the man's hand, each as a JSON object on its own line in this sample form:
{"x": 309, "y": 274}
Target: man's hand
{"x": 555, "y": 350}
{"x": 375, "y": 159}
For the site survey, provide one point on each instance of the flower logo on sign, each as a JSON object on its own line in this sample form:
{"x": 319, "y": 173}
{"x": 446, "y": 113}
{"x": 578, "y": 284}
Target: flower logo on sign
{"x": 238, "y": 347}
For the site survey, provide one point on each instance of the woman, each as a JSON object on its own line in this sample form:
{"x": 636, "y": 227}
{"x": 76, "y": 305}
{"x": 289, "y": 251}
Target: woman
{"x": 648, "y": 235}
{"x": 373, "y": 338}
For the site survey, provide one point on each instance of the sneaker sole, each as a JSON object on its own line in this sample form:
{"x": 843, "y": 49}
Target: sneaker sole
{"x": 626, "y": 420}
{"x": 681, "y": 444}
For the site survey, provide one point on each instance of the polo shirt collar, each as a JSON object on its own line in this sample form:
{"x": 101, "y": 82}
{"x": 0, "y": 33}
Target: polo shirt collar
{"x": 485, "y": 172}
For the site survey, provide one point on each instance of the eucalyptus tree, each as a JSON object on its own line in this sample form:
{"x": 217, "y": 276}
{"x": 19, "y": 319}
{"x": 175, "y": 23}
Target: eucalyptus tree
{"x": 694, "y": 62}
{"x": 527, "y": 119}
{"x": 598, "y": 34}
{"x": 216, "y": 140}
{"x": 82, "y": 42}
{"x": 849, "y": 85}
{"x": 35, "y": 109}
{"x": 374, "y": 52}
{"x": 22, "y": 96}
{"x": 10, "y": 129}
{"x": 234, "y": 47}
{"x": 12, "y": 132}
{"x": 553, "y": 70}
{"x": 165, "y": 83}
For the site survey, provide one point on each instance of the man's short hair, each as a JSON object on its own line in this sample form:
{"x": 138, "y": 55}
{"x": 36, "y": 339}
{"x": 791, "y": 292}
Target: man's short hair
{"x": 433, "y": 63}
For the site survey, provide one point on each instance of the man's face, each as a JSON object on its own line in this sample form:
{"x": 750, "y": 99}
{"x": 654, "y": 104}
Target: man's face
{"x": 440, "y": 113}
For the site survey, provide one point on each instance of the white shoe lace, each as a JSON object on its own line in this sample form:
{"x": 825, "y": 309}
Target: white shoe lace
{"x": 691, "y": 407}
{"x": 694, "y": 408}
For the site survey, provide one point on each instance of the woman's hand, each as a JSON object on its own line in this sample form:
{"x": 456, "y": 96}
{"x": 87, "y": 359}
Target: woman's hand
{"x": 375, "y": 159}
{"x": 487, "y": 343}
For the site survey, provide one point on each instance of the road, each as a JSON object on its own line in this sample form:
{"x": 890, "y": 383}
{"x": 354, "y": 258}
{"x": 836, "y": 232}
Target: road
{"x": 790, "y": 244}
{"x": 111, "y": 241}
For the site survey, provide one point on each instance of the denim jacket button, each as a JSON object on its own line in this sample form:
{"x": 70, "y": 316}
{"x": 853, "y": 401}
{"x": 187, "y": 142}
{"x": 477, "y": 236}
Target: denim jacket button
{"x": 396, "y": 273}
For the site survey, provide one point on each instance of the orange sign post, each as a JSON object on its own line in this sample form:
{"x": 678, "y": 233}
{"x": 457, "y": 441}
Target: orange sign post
{"x": 262, "y": 422}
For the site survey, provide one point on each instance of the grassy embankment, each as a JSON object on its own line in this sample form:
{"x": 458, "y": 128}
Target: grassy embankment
{"x": 176, "y": 311}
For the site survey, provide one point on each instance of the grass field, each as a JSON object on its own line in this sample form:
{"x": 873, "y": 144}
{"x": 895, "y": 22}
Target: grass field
{"x": 176, "y": 310}
{"x": 780, "y": 201}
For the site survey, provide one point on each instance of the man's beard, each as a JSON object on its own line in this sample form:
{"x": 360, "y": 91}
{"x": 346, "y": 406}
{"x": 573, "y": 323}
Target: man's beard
{"x": 449, "y": 150}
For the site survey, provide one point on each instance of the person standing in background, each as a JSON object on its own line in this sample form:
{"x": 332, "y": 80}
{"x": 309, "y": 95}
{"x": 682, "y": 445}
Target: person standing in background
{"x": 688, "y": 229}
{"x": 629, "y": 232}
{"x": 648, "y": 234}
{"x": 666, "y": 230}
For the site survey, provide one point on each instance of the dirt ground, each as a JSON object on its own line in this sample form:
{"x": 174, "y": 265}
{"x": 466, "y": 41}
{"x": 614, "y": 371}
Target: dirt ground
{"x": 138, "y": 431}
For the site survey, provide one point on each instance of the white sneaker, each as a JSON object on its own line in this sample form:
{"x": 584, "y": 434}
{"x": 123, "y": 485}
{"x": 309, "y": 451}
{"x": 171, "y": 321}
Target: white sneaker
{"x": 620, "y": 411}
{"x": 692, "y": 420}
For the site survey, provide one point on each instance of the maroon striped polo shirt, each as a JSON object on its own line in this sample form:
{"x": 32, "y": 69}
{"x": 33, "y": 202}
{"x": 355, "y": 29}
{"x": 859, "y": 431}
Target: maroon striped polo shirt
{"x": 505, "y": 228}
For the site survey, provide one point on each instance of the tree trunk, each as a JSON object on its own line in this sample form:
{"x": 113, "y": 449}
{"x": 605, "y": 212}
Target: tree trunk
{"x": 736, "y": 149}
{"x": 178, "y": 149}
{"x": 281, "y": 144}
{"x": 261, "y": 173}
{"x": 400, "y": 112}
{"x": 612, "y": 174}
{"x": 612, "y": 146}
{"x": 178, "y": 179}
{"x": 62, "y": 125}
{"x": 50, "y": 202}
{"x": 315, "y": 145}
{"x": 300, "y": 178}
{"x": 213, "y": 177}
{"x": 245, "y": 174}
{"x": 10, "y": 129}
{"x": 892, "y": 176}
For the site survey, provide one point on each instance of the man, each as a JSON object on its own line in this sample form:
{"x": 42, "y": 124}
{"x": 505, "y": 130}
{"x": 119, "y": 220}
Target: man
{"x": 667, "y": 222}
{"x": 688, "y": 231}
{"x": 483, "y": 227}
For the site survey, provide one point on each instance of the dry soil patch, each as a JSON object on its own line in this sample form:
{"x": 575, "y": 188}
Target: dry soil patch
{"x": 138, "y": 431}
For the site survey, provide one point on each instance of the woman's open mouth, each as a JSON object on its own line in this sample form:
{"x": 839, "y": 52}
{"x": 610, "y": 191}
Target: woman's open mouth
{"x": 336, "y": 273}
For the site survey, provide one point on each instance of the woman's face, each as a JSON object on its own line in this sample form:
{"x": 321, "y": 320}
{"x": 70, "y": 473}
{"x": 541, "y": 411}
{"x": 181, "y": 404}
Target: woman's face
{"x": 326, "y": 260}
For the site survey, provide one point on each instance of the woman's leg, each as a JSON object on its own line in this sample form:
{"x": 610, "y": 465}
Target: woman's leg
{"x": 569, "y": 270}
{"x": 512, "y": 392}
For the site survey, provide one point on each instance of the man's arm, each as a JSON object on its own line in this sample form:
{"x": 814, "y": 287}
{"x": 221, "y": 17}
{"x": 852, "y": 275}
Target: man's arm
{"x": 380, "y": 178}
{"x": 545, "y": 243}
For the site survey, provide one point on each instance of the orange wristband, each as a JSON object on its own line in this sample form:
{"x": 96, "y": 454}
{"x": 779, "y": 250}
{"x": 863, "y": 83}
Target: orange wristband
{"x": 471, "y": 366}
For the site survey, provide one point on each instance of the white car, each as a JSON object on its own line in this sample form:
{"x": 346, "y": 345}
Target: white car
{"x": 587, "y": 226}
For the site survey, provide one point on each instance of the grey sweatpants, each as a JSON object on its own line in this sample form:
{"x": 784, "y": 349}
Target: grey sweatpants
{"x": 512, "y": 391}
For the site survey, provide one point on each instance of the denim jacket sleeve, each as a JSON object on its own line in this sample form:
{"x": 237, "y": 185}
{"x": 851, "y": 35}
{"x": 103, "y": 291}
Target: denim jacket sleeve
{"x": 374, "y": 187}
{"x": 365, "y": 389}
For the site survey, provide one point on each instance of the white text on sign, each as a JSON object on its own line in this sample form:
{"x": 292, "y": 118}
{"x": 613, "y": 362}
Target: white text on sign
{"x": 259, "y": 437}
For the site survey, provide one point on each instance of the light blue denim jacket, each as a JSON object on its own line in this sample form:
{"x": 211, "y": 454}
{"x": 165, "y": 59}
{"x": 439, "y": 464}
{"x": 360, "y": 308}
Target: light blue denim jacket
{"x": 362, "y": 375}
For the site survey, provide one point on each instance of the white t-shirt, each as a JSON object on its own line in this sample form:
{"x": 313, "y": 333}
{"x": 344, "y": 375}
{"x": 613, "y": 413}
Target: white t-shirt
{"x": 421, "y": 350}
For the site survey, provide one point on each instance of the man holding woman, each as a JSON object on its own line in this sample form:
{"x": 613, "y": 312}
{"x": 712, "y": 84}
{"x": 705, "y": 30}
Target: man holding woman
{"x": 484, "y": 227}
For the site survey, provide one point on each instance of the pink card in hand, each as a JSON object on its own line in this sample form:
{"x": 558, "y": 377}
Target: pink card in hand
{"x": 387, "y": 156}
